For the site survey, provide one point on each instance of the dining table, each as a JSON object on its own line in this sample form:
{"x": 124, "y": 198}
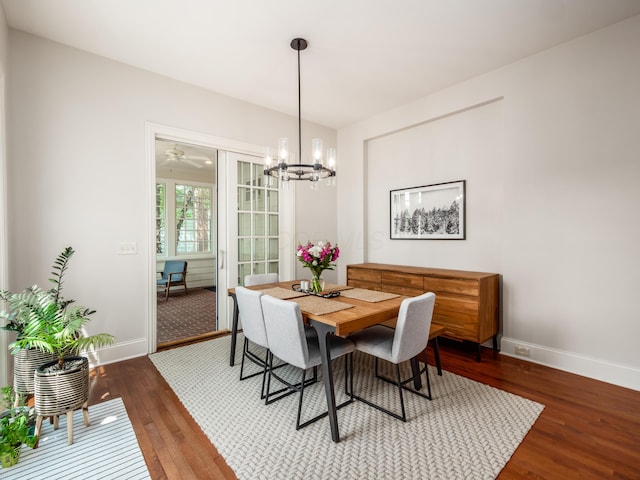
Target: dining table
{"x": 340, "y": 314}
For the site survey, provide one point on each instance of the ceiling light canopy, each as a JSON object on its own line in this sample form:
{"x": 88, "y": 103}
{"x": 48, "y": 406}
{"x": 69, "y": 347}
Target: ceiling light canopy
{"x": 282, "y": 165}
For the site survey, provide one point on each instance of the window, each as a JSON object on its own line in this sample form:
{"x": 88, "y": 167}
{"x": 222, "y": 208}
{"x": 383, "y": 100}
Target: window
{"x": 161, "y": 219}
{"x": 193, "y": 219}
{"x": 188, "y": 231}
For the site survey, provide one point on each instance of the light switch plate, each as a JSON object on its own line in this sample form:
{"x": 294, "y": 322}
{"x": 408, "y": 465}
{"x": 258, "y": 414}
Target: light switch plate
{"x": 127, "y": 248}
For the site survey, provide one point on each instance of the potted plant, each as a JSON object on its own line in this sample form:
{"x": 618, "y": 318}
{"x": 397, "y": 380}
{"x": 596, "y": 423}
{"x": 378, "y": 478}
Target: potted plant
{"x": 20, "y": 306}
{"x": 15, "y": 430}
{"x": 55, "y": 325}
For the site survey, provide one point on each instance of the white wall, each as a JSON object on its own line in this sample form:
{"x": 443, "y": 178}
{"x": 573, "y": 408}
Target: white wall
{"x": 549, "y": 148}
{"x": 78, "y": 174}
{"x": 4, "y": 272}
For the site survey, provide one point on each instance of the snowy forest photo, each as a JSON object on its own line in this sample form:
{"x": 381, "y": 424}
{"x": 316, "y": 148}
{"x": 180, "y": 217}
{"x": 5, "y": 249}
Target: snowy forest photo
{"x": 429, "y": 212}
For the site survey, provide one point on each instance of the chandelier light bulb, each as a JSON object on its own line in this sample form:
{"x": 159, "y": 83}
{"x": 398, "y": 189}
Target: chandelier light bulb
{"x": 316, "y": 148}
{"x": 283, "y": 150}
{"x": 331, "y": 158}
{"x": 268, "y": 158}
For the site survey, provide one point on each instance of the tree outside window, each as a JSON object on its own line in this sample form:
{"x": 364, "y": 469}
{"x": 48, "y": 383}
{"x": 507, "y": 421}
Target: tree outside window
{"x": 189, "y": 230}
{"x": 161, "y": 219}
{"x": 193, "y": 219}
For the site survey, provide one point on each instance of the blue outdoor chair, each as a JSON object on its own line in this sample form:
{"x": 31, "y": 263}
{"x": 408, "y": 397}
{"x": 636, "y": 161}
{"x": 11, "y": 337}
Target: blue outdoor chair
{"x": 173, "y": 274}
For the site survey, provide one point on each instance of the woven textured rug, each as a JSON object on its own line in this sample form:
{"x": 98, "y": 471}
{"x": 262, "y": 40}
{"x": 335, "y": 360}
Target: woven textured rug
{"x": 468, "y": 431}
{"x": 184, "y": 316}
{"x": 107, "y": 449}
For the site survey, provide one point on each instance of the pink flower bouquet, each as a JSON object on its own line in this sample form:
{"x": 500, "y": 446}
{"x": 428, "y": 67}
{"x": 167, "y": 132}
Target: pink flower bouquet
{"x": 317, "y": 258}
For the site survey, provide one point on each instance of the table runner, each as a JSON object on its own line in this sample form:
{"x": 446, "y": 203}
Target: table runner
{"x": 319, "y": 305}
{"x": 371, "y": 296}
{"x": 282, "y": 293}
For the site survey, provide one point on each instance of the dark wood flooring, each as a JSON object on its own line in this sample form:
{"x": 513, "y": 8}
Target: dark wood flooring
{"x": 588, "y": 430}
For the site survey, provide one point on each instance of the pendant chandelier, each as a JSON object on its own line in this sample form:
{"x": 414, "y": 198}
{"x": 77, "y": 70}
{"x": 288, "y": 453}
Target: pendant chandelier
{"x": 285, "y": 168}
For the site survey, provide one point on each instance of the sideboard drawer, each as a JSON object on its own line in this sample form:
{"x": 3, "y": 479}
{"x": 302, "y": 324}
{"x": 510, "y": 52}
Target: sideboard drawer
{"x": 405, "y": 290}
{"x": 371, "y": 276}
{"x": 404, "y": 279}
{"x": 364, "y": 284}
{"x": 451, "y": 285}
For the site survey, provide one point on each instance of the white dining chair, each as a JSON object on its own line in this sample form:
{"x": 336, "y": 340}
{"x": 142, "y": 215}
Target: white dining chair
{"x": 260, "y": 279}
{"x": 250, "y": 310}
{"x": 409, "y": 338}
{"x": 290, "y": 342}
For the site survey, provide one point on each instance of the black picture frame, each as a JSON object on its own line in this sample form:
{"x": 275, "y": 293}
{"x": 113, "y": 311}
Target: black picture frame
{"x": 428, "y": 212}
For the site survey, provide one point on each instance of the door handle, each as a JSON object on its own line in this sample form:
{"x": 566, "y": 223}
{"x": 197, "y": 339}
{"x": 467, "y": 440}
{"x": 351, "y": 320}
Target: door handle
{"x": 221, "y": 260}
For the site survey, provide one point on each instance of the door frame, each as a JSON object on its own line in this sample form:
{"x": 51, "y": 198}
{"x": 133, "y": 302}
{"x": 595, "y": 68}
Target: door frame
{"x": 154, "y": 130}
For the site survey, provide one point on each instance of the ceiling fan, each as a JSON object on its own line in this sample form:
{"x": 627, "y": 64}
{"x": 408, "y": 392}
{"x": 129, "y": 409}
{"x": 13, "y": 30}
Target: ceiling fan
{"x": 176, "y": 155}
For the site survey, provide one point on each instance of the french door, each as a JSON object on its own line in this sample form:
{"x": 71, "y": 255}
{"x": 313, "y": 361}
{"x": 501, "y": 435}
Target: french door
{"x": 258, "y": 220}
{"x": 246, "y": 239}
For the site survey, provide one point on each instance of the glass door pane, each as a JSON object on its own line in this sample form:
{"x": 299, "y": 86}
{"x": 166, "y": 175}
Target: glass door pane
{"x": 257, "y": 218}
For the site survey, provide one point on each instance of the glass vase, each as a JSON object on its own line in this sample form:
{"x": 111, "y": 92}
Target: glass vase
{"x": 317, "y": 284}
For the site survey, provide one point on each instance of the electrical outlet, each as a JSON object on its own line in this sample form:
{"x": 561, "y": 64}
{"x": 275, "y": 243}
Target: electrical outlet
{"x": 524, "y": 351}
{"x": 127, "y": 248}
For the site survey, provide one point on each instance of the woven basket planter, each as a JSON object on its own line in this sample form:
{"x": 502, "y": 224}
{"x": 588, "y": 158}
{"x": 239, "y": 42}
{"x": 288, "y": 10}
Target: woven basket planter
{"x": 60, "y": 391}
{"x": 25, "y": 363}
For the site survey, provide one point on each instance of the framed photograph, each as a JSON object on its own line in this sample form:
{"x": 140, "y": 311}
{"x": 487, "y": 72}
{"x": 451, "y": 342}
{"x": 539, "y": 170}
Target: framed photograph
{"x": 430, "y": 212}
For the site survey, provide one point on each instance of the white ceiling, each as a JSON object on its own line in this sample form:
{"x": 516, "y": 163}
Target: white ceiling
{"x": 191, "y": 162}
{"x": 364, "y": 56}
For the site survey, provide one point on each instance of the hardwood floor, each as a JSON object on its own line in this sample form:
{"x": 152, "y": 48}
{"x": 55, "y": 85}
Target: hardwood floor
{"x": 588, "y": 429}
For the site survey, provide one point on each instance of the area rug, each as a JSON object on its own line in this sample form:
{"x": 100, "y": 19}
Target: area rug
{"x": 468, "y": 431}
{"x": 107, "y": 449}
{"x": 185, "y": 316}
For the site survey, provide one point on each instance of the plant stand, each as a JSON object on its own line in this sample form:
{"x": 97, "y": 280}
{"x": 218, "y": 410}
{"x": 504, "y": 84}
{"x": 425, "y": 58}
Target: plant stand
{"x": 62, "y": 391}
{"x": 25, "y": 363}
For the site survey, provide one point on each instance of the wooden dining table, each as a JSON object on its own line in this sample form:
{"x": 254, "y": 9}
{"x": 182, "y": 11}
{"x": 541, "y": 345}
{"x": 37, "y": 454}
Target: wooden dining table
{"x": 360, "y": 314}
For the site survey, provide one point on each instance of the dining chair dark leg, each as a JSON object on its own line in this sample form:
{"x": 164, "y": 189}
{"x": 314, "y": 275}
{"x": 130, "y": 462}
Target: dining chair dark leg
{"x": 399, "y": 380}
{"x": 416, "y": 374}
{"x": 245, "y": 346}
{"x": 264, "y": 375}
{"x": 289, "y": 388}
{"x": 234, "y": 330}
{"x": 352, "y": 373}
{"x": 247, "y": 353}
{"x": 304, "y": 373}
{"x": 401, "y": 384}
{"x": 266, "y": 397}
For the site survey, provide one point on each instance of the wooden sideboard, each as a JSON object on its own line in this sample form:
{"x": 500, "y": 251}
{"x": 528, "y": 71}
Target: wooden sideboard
{"x": 467, "y": 303}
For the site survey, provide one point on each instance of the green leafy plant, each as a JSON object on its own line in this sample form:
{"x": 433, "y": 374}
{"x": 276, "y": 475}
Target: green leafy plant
{"x": 44, "y": 320}
{"x": 15, "y": 426}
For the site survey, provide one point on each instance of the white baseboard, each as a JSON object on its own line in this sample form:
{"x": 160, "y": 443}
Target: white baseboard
{"x": 596, "y": 368}
{"x": 118, "y": 352}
